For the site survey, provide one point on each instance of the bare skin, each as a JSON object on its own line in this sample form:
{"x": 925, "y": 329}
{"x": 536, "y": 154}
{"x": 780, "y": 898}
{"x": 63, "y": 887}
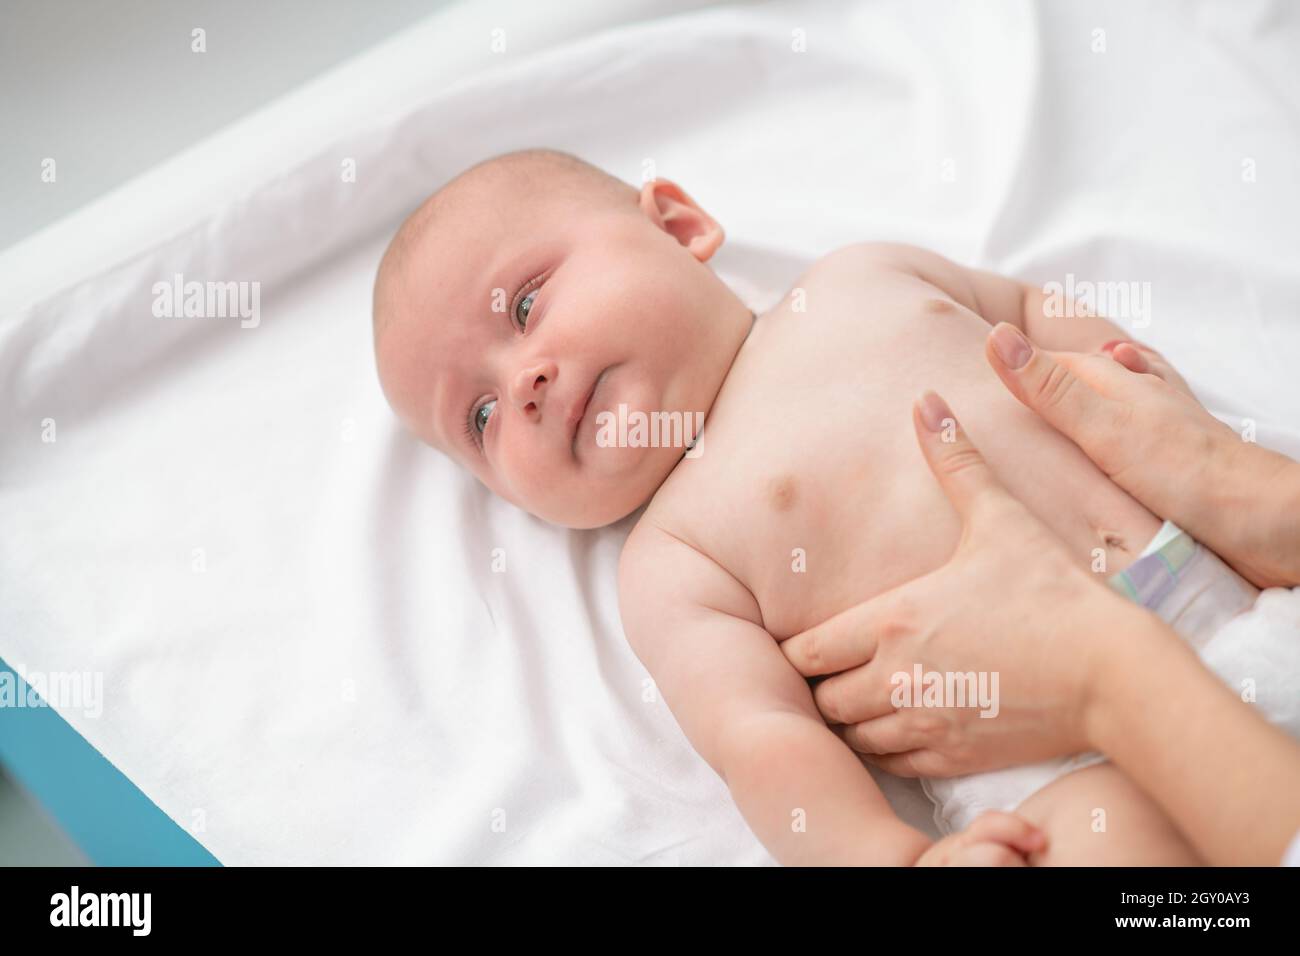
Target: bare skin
{"x": 807, "y": 461}
{"x": 1081, "y": 668}
{"x": 807, "y": 454}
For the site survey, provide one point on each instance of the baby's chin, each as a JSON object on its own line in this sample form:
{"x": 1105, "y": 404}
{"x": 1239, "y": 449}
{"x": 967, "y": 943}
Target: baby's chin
{"x": 592, "y": 509}
{"x": 608, "y": 498}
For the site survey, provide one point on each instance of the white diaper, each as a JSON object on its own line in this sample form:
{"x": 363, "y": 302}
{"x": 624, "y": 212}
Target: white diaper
{"x": 1256, "y": 653}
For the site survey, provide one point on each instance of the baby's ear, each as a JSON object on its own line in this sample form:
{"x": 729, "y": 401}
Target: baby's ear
{"x": 668, "y": 207}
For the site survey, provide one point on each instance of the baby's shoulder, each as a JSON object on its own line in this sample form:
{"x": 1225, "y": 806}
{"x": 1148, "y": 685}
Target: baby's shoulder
{"x": 666, "y": 576}
{"x": 872, "y": 260}
{"x": 882, "y": 272}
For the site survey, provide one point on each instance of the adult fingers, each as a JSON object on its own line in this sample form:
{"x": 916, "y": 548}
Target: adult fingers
{"x": 893, "y": 733}
{"x": 1050, "y": 387}
{"x": 960, "y": 469}
{"x": 913, "y": 763}
{"x": 853, "y": 696}
{"x": 1131, "y": 357}
{"x": 844, "y": 641}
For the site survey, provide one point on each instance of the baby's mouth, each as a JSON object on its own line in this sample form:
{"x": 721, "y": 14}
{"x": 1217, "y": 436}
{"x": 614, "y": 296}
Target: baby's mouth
{"x": 580, "y": 411}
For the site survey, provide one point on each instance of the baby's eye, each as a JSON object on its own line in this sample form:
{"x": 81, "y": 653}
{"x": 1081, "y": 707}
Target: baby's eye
{"x": 523, "y": 308}
{"x": 482, "y": 414}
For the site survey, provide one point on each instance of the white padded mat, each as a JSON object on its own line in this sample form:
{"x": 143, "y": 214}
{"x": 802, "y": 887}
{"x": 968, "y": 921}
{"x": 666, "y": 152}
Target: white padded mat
{"x": 307, "y": 655}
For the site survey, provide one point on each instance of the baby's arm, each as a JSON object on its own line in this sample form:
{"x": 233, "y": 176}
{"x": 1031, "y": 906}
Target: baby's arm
{"x": 749, "y": 713}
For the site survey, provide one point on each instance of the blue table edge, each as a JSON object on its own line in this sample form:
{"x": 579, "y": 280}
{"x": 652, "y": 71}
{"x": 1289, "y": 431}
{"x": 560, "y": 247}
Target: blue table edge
{"x": 102, "y": 812}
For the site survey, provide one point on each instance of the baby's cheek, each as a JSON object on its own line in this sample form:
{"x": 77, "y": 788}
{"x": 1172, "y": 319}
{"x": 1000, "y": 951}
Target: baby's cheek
{"x": 535, "y": 480}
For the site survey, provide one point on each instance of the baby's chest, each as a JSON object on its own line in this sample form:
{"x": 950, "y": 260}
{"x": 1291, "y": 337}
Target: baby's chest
{"x": 809, "y": 487}
{"x": 811, "y": 538}
{"x": 811, "y": 498}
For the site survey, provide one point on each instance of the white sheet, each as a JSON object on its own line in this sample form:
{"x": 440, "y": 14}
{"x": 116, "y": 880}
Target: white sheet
{"x": 348, "y": 680}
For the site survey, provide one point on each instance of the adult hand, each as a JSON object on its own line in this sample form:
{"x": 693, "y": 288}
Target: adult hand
{"x": 1011, "y": 601}
{"x": 1128, "y": 413}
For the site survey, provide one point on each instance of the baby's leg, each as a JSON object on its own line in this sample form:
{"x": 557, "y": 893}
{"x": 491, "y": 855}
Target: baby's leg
{"x": 1097, "y": 816}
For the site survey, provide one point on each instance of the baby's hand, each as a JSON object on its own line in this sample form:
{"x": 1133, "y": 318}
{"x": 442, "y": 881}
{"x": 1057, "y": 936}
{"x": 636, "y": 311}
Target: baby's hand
{"x": 993, "y": 839}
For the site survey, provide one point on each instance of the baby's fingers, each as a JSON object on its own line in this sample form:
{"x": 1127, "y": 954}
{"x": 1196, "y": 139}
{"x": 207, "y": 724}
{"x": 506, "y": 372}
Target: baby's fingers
{"x": 1016, "y": 832}
{"x": 989, "y": 854}
{"x": 960, "y": 850}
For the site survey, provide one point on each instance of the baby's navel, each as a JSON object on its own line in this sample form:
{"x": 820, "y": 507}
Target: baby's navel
{"x": 939, "y": 306}
{"x": 1112, "y": 539}
{"x": 782, "y": 492}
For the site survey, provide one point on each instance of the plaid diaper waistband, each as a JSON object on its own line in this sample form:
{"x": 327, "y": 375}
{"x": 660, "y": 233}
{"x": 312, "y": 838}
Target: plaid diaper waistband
{"x": 1153, "y": 576}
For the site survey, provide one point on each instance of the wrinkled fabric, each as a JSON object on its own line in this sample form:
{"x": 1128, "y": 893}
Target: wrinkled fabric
{"x": 321, "y": 642}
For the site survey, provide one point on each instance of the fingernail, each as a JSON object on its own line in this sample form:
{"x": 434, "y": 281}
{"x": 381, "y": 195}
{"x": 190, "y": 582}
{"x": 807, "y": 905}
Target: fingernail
{"x": 934, "y": 411}
{"x": 1110, "y": 346}
{"x": 1012, "y": 347}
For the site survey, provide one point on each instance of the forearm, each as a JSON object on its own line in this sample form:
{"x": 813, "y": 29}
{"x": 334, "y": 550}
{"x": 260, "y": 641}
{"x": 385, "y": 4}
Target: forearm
{"x": 808, "y": 798}
{"x": 1234, "y": 496}
{"x": 1225, "y": 776}
{"x": 1253, "y": 520}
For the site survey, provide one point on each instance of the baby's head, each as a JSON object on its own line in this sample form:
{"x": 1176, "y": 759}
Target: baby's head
{"x": 520, "y": 285}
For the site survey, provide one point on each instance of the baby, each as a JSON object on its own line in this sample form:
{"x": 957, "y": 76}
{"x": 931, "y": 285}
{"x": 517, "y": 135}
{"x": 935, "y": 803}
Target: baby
{"x": 535, "y": 302}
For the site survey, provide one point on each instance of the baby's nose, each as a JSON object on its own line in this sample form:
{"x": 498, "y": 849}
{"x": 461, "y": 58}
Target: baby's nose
{"x": 530, "y": 385}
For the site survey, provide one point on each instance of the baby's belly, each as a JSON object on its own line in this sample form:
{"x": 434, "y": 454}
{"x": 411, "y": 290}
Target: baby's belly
{"x": 821, "y": 543}
{"x": 811, "y": 489}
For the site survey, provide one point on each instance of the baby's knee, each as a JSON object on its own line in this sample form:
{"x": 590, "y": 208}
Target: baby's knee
{"x": 1098, "y": 817}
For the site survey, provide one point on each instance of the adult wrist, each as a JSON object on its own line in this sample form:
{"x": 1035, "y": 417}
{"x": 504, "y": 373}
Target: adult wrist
{"x": 1277, "y": 517}
{"x": 1259, "y": 500}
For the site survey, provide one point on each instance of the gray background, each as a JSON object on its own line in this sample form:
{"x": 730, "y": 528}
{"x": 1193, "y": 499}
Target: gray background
{"x": 109, "y": 89}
